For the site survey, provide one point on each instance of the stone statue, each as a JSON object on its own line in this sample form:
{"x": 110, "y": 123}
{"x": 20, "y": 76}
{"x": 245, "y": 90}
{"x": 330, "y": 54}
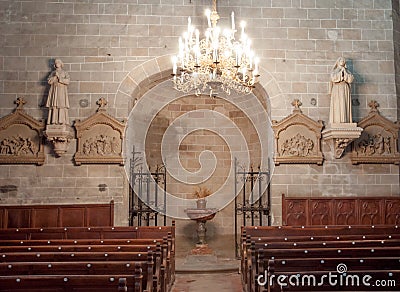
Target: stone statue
{"x": 57, "y": 101}
{"x": 340, "y": 89}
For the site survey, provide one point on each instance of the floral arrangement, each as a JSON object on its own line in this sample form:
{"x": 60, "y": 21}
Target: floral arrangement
{"x": 201, "y": 193}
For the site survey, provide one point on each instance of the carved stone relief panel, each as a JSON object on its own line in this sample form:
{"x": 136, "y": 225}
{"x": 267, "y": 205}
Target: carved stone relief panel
{"x": 21, "y": 137}
{"x": 379, "y": 141}
{"x": 297, "y": 138}
{"x": 100, "y": 138}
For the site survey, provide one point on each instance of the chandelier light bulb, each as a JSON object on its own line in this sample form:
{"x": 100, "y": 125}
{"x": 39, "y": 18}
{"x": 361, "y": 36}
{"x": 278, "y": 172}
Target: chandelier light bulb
{"x": 218, "y": 61}
{"x": 208, "y": 14}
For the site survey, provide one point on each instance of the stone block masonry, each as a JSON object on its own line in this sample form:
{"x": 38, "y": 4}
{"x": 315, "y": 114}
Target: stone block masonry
{"x": 121, "y": 50}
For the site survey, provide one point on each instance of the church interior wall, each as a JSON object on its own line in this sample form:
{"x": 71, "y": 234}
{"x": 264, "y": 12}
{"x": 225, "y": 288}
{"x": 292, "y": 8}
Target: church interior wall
{"x": 106, "y": 48}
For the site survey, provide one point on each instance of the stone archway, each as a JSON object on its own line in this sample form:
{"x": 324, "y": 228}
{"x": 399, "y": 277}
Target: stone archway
{"x": 148, "y": 74}
{"x": 150, "y": 81}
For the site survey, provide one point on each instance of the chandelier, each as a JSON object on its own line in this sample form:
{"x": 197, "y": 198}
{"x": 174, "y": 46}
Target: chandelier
{"x": 216, "y": 61}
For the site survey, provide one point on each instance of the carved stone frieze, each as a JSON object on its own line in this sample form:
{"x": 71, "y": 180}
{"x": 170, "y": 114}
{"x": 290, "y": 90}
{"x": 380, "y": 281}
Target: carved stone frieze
{"x": 297, "y": 138}
{"x": 379, "y": 141}
{"x": 21, "y": 137}
{"x": 100, "y": 138}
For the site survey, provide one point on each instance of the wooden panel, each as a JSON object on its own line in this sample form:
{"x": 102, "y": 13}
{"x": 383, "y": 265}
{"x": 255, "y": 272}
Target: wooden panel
{"x": 298, "y": 211}
{"x": 392, "y": 211}
{"x": 99, "y": 217}
{"x": 2, "y": 218}
{"x": 320, "y": 212}
{"x": 45, "y": 217}
{"x": 18, "y": 218}
{"x": 79, "y": 215}
{"x": 370, "y": 211}
{"x": 72, "y": 217}
{"x": 345, "y": 212}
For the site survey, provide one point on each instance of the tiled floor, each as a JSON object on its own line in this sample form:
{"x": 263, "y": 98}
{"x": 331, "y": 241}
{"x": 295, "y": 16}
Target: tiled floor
{"x": 221, "y": 282}
{"x": 222, "y": 245}
{"x": 217, "y": 271}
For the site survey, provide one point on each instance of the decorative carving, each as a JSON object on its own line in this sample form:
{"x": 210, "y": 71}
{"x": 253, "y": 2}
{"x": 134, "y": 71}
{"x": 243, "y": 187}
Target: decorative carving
{"x": 319, "y": 211}
{"x": 100, "y": 138}
{"x": 340, "y": 136}
{"x": 379, "y": 141}
{"x": 21, "y": 137}
{"x": 297, "y": 146}
{"x": 370, "y": 211}
{"x": 392, "y": 212}
{"x": 60, "y": 136}
{"x": 345, "y": 212}
{"x": 297, "y": 138}
{"x": 296, "y": 213}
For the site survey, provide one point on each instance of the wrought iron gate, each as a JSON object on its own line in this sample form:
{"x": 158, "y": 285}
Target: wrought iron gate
{"x": 146, "y": 200}
{"x": 253, "y": 202}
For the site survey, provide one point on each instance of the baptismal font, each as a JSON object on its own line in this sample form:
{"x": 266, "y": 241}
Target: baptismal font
{"x": 201, "y": 214}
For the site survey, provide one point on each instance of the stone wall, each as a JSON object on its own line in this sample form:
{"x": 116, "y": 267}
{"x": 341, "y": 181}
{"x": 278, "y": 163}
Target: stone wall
{"x": 396, "y": 44}
{"x": 121, "y": 51}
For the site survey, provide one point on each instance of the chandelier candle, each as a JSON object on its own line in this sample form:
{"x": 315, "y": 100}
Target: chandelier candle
{"x": 218, "y": 61}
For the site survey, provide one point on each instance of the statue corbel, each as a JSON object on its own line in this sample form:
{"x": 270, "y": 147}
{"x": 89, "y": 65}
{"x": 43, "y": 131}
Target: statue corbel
{"x": 59, "y": 136}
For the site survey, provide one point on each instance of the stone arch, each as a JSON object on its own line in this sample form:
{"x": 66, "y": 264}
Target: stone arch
{"x": 148, "y": 74}
{"x": 146, "y": 81}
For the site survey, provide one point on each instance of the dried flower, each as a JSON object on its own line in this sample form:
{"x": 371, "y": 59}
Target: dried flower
{"x": 202, "y": 193}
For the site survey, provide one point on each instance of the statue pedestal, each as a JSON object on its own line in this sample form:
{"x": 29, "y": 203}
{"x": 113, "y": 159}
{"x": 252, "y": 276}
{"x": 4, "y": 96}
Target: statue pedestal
{"x": 341, "y": 135}
{"x": 60, "y": 136}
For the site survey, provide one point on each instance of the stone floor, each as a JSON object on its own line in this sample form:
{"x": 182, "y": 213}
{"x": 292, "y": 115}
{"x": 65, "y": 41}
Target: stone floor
{"x": 229, "y": 282}
{"x": 210, "y": 268}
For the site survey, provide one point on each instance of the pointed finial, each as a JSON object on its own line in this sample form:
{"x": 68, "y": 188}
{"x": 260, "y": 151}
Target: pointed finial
{"x": 373, "y": 104}
{"x": 20, "y": 102}
{"x": 102, "y": 102}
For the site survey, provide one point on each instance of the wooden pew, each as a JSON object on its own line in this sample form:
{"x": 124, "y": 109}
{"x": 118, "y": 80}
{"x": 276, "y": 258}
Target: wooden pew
{"x": 67, "y": 248}
{"x": 117, "y": 232}
{"x": 84, "y": 263}
{"x": 325, "y": 237}
{"x": 320, "y": 280}
{"x": 257, "y": 257}
{"x": 34, "y": 242}
{"x": 331, "y": 264}
{"x": 327, "y": 243}
{"x": 260, "y": 244}
{"x": 83, "y": 268}
{"x": 289, "y": 231}
{"x": 80, "y": 247}
{"x": 70, "y": 245}
{"x": 78, "y": 283}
